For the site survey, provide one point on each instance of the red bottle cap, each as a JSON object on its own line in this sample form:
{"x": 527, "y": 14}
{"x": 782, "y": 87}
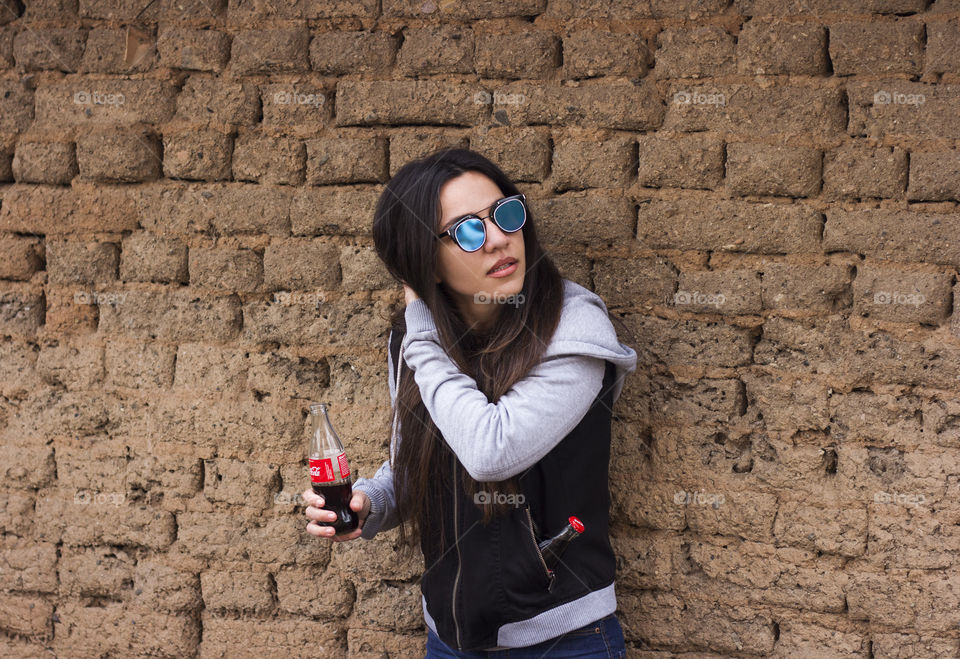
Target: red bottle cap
{"x": 576, "y": 524}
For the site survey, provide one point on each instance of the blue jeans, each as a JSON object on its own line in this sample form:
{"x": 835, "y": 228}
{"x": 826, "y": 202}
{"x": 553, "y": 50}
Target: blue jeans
{"x": 601, "y": 639}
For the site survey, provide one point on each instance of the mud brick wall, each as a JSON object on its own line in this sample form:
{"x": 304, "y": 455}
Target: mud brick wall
{"x": 765, "y": 191}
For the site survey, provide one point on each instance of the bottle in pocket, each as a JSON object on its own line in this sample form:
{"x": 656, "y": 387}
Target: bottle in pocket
{"x": 552, "y": 548}
{"x": 330, "y": 471}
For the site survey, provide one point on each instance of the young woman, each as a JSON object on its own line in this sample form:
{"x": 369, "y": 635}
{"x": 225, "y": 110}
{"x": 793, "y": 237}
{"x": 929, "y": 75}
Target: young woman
{"x": 502, "y": 377}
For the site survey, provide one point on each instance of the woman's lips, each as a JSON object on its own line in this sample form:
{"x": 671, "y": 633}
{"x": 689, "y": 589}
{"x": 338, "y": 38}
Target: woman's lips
{"x": 509, "y": 270}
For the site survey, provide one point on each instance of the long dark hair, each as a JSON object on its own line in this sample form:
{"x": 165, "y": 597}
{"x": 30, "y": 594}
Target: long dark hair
{"x": 405, "y": 223}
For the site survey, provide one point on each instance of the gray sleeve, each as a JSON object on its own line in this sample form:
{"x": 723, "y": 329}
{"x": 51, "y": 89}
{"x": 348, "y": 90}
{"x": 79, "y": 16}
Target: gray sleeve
{"x": 383, "y": 505}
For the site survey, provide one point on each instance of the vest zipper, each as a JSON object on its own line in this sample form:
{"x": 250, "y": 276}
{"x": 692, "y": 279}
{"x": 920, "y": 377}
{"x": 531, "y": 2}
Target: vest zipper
{"x": 456, "y": 542}
{"x": 550, "y": 573}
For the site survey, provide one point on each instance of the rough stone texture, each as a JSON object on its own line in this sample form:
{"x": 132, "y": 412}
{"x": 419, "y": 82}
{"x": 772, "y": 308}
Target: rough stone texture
{"x": 763, "y": 192}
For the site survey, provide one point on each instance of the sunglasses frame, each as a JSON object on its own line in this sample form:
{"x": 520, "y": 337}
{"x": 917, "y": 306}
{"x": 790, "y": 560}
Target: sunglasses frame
{"x": 451, "y": 231}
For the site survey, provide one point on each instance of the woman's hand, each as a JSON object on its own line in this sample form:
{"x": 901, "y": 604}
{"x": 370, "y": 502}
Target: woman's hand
{"x": 359, "y": 503}
{"x": 408, "y": 294}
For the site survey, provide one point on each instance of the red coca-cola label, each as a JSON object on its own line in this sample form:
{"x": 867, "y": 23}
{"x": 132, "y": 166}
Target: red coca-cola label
{"x": 321, "y": 469}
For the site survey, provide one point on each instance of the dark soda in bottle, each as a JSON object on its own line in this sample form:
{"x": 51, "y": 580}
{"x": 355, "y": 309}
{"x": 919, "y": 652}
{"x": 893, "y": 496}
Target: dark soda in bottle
{"x": 551, "y": 548}
{"x": 329, "y": 471}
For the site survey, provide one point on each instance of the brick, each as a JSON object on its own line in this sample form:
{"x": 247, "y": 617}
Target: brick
{"x": 287, "y": 376}
{"x": 119, "y": 155}
{"x": 729, "y": 225}
{"x": 692, "y": 342}
{"x": 271, "y": 160}
{"x": 6, "y": 46}
{"x": 829, "y": 347}
{"x": 260, "y": 12}
{"x": 943, "y": 48}
{"x": 491, "y": 9}
{"x": 195, "y": 50}
{"x": 235, "y": 270}
{"x": 343, "y": 322}
{"x": 171, "y": 589}
{"x": 182, "y": 211}
{"x": 248, "y": 592}
{"x": 916, "y": 645}
{"x": 389, "y": 606}
{"x": 722, "y": 291}
{"x": 885, "y": 109}
{"x": 203, "y": 155}
{"x": 436, "y": 49}
{"x": 893, "y": 234}
{"x": 27, "y": 466}
{"x": 269, "y": 52}
{"x": 680, "y": 161}
{"x": 290, "y": 638}
{"x": 326, "y": 596}
{"x": 28, "y": 565}
{"x": 761, "y": 169}
{"x": 17, "y": 368}
{"x": 861, "y": 171}
{"x": 787, "y": 403}
{"x": 344, "y": 52}
{"x": 902, "y": 296}
{"x": 697, "y": 53}
{"x": 16, "y": 511}
{"x": 23, "y": 257}
{"x": 16, "y": 106}
{"x": 749, "y": 515}
{"x": 180, "y": 315}
{"x": 626, "y": 106}
{"x": 523, "y": 153}
{"x": 876, "y": 48}
{"x": 752, "y": 111}
{"x": 336, "y": 8}
{"x": 609, "y": 9}
{"x": 240, "y": 482}
{"x": 148, "y": 257}
{"x": 74, "y": 365}
{"x": 97, "y": 572}
{"x": 588, "y": 53}
{"x": 879, "y": 418}
{"x": 815, "y": 288}
{"x": 92, "y": 522}
{"x": 139, "y": 366}
{"x": 346, "y": 160}
{"x": 347, "y": 210}
{"x": 820, "y": 7}
{"x": 301, "y": 264}
{"x": 252, "y": 539}
{"x": 362, "y": 269}
{"x": 799, "y": 639}
{"x": 706, "y": 402}
{"x": 368, "y": 102}
{"x": 79, "y": 102}
{"x": 204, "y": 368}
{"x": 934, "y": 176}
{"x": 12, "y": 10}
{"x": 517, "y": 54}
{"x": 118, "y": 628}
{"x": 607, "y": 162}
{"x": 638, "y": 280}
{"x": 106, "y": 49}
{"x": 561, "y": 218}
{"x": 829, "y": 529}
{"x": 904, "y": 533}
{"x": 73, "y": 262}
{"x": 209, "y": 100}
{"x": 116, "y": 10}
{"x": 772, "y": 47}
{"x": 39, "y": 49}
{"x": 54, "y": 163}
{"x": 922, "y": 600}
{"x": 28, "y": 615}
{"x": 293, "y": 105}
{"x": 410, "y": 144}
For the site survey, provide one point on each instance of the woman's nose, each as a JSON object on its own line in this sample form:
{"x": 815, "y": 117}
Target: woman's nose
{"x": 496, "y": 237}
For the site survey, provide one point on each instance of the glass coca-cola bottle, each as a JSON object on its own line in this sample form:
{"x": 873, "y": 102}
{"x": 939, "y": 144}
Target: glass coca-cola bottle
{"x": 329, "y": 471}
{"x": 551, "y": 548}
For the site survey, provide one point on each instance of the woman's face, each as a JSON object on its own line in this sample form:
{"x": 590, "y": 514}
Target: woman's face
{"x": 466, "y": 274}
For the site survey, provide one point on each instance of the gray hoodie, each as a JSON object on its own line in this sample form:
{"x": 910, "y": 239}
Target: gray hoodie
{"x": 495, "y": 441}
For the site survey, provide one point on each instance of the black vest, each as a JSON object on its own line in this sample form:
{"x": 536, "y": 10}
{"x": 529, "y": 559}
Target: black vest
{"x": 488, "y": 576}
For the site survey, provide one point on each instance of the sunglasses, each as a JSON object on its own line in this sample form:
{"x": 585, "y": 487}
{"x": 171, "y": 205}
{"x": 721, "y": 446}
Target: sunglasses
{"x": 469, "y": 232}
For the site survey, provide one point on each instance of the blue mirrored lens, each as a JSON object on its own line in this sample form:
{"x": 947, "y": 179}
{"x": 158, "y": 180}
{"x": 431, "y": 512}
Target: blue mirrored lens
{"x": 510, "y": 215}
{"x": 470, "y": 234}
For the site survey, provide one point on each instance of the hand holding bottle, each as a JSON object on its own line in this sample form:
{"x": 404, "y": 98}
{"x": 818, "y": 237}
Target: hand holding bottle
{"x": 360, "y": 503}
